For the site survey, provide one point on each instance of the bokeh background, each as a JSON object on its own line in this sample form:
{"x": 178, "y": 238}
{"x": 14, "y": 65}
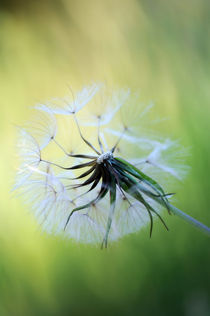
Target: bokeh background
{"x": 160, "y": 48}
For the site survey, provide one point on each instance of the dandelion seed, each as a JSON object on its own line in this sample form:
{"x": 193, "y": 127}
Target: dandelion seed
{"x": 92, "y": 195}
{"x": 70, "y": 104}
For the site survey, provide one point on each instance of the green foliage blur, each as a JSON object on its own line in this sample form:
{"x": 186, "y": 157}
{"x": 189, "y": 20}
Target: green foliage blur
{"x": 160, "y": 48}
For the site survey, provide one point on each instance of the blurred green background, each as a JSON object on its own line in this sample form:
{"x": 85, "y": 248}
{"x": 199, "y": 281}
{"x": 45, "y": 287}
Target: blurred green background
{"x": 160, "y": 48}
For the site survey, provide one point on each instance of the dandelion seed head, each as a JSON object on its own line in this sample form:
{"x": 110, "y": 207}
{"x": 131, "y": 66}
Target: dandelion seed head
{"x": 105, "y": 156}
{"x": 88, "y": 168}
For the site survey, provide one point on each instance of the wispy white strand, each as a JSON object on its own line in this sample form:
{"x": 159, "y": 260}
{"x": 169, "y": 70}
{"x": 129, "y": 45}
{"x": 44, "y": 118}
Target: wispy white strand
{"x": 50, "y": 190}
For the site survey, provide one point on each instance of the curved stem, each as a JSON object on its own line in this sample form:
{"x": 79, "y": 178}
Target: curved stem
{"x": 205, "y": 229}
{"x": 190, "y": 219}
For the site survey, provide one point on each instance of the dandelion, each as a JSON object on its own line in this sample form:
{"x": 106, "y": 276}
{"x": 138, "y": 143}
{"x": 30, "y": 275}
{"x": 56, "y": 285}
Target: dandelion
{"x": 92, "y": 172}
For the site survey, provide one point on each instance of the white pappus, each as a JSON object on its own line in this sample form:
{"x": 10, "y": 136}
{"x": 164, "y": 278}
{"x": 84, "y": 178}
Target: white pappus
{"x": 92, "y": 171}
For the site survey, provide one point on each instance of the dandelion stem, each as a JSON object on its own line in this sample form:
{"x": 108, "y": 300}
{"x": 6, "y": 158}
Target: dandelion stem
{"x": 190, "y": 220}
{"x": 177, "y": 212}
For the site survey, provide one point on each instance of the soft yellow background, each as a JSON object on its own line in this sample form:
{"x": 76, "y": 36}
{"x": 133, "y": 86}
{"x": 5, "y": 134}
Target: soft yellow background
{"x": 160, "y": 48}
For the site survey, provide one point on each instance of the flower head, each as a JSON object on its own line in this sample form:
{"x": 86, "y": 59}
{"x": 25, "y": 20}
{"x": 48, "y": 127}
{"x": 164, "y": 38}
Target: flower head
{"x": 90, "y": 176}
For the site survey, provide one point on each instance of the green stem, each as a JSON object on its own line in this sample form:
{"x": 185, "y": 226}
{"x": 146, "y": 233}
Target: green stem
{"x": 177, "y": 212}
{"x": 190, "y": 219}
